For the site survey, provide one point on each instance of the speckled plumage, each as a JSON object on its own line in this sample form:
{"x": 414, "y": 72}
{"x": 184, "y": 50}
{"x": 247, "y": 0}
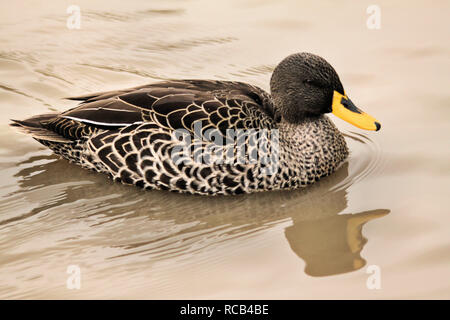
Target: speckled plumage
{"x": 128, "y": 135}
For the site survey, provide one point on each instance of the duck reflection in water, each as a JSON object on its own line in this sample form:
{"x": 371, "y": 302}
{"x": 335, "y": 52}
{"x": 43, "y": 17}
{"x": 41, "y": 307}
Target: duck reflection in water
{"x": 328, "y": 241}
{"x": 339, "y": 249}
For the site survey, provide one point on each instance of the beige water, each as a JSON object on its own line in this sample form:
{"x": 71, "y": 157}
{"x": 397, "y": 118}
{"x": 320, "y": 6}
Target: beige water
{"x": 385, "y": 213}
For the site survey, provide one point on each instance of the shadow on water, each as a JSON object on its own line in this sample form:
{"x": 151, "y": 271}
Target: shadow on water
{"x": 328, "y": 241}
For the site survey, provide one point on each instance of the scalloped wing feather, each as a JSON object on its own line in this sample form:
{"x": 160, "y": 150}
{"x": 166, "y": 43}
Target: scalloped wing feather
{"x": 178, "y": 105}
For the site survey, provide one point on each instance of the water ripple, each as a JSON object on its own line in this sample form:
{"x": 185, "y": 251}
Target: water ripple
{"x": 365, "y": 157}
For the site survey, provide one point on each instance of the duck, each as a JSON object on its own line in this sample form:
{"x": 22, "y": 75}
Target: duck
{"x": 210, "y": 137}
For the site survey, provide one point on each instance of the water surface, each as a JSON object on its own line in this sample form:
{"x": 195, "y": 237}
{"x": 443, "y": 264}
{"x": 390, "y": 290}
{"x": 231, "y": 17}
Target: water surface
{"x": 387, "y": 206}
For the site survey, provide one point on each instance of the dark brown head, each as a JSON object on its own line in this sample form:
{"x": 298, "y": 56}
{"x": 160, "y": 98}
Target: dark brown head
{"x": 304, "y": 85}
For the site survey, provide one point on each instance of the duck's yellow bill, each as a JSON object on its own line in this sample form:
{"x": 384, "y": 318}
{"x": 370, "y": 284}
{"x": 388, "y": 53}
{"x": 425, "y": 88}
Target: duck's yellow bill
{"x": 344, "y": 108}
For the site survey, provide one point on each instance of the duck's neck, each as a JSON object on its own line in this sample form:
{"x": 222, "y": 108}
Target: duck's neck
{"x": 310, "y": 150}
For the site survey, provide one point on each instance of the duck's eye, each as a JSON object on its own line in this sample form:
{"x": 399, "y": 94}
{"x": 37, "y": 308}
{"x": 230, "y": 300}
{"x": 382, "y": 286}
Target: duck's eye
{"x": 314, "y": 83}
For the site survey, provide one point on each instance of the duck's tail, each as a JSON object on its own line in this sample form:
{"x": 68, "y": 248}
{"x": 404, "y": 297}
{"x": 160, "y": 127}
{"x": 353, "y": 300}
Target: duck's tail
{"x": 34, "y": 126}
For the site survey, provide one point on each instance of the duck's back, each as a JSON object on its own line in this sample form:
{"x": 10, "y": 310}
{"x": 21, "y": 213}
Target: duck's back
{"x": 132, "y": 134}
